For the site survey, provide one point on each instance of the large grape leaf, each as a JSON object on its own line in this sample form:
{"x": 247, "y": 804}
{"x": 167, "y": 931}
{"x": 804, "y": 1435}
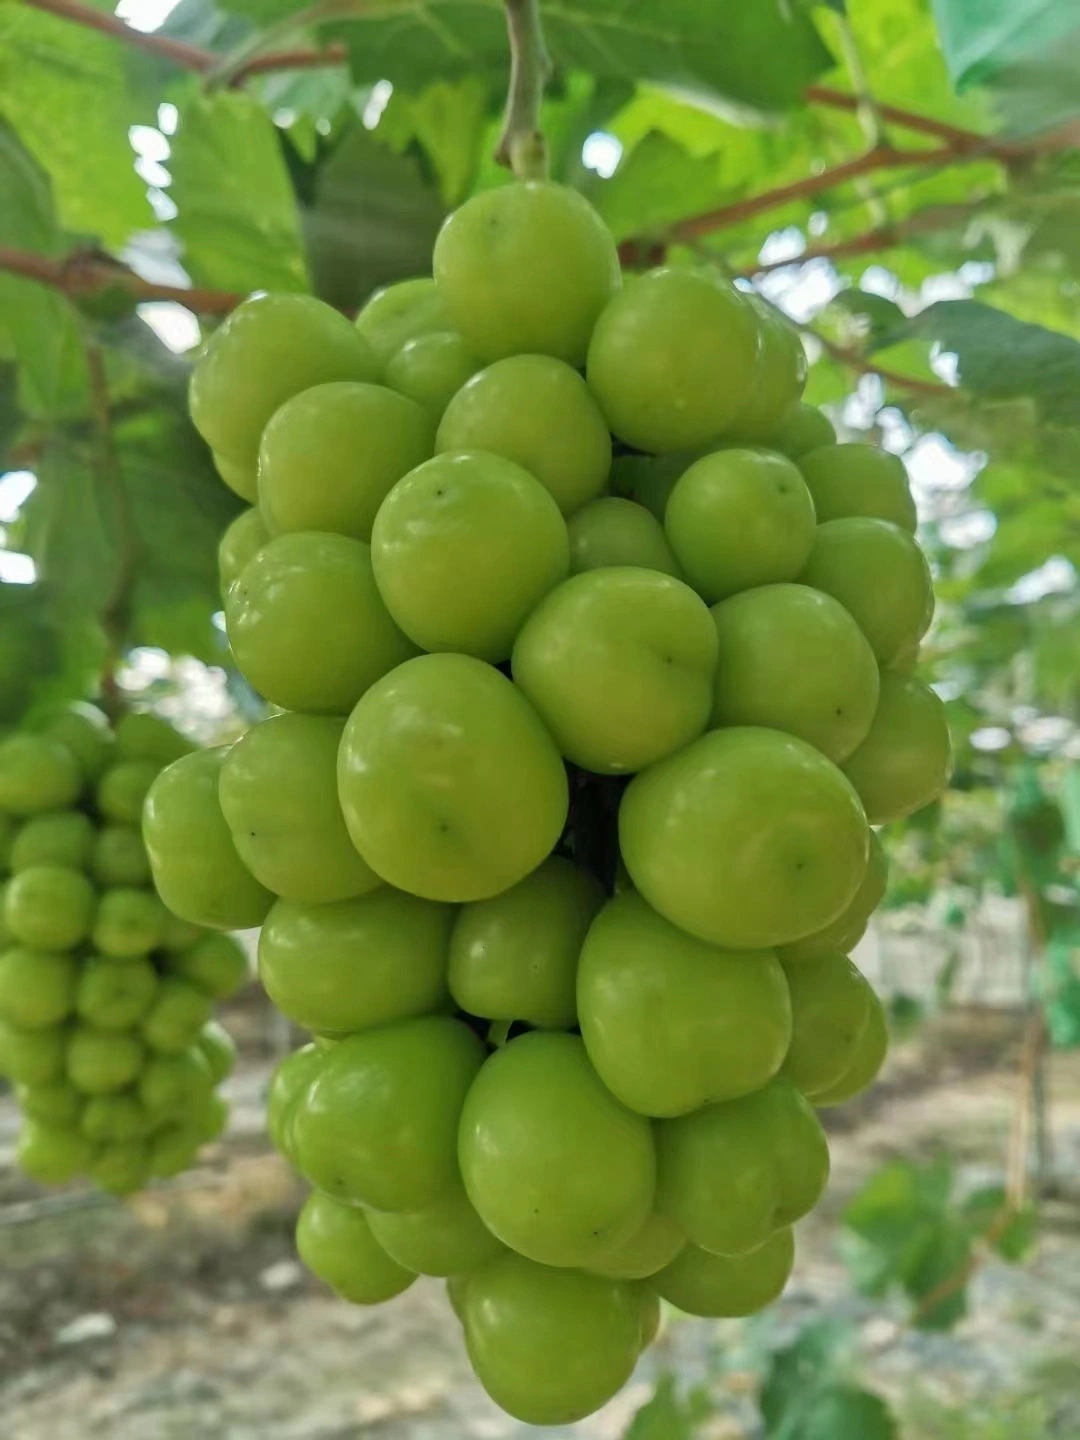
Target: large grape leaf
{"x": 980, "y": 41}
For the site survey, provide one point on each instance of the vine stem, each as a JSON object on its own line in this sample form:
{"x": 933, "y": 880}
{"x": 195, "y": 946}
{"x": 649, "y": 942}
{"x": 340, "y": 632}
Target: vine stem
{"x": 521, "y": 146}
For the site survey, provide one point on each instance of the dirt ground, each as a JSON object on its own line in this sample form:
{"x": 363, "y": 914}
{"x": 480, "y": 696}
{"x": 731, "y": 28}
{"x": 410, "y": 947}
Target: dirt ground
{"x": 183, "y": 1315}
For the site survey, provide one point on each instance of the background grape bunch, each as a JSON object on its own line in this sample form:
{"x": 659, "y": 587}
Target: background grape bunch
{"x": 592, "y": 651}
{"x": 106, "y": 998}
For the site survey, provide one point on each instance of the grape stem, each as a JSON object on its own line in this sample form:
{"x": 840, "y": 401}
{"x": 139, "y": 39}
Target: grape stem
{"x": 521, "y": 146}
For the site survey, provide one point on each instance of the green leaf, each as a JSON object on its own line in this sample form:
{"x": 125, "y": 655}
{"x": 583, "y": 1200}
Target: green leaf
{"x": 1026, "y": 51}
{"x": 982, "y": 1210}
{"x": 799, "y": 1372}
{"x": 656, "y": 184}
{"x": 943, "y": 1263}
{"x": 238, "y": 223}
{"x": 448, "y": 121}
{"x": 847, "y": 1413}
{"x": 668, "y": 1415}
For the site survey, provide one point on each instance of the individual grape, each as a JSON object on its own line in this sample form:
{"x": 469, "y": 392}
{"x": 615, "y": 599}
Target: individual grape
{"x": 331, "y": 454}
{"x": 9, "y": 829}
{"x": 620, "y": 665}
{"x": 307, "y": 626}
{"x": 99, "y": 1062}
{"x": 793, "y": 659}
{"x": 830, "y": 1005}
{"x": 747, "y": 838}
{"x": 175, "y": 1085}
{"x": 515, "y": 956}
{"x": 858, "y": 479}
{"x": 51, "y": 1154}
{"x": 217, "y": 964}
{"x": 352, "y": 964}
{"x": 845, "y": 932}
{"x": 278, "y": 792}
{"x": 211, "y": 1119}
{"x": 37, "y": 989}
{"x": 143, "y": 736}
{"x": 289, "y": 1085}
{"x": 118, "y": 1118}
{"x": 867, "y": 1062}
{"x": 804, "y": 428}
{"x": 739, "y": 518}
{"x": 613, "y": 531}
{"x": 121, "y": 1168}
{"x": 672, "y": 1023}
{"x": 270, "y": 348}
{"x": 241, "y": 539}
{"x": 49, "y": 907}
{"x": 647, "y": 1251}
{"x": 880, "y": 576}
{"x": 179, "y": 934}
{"x": 118, "y": 856}
{"x": 37, "y": 773}
{"x": 84, "y": 729}
{"x": 447, "y": 1238}
{"x": 463, "y": 549}
{"x": 431, "y": 369}
{"x": 114, "y": 994}
{"x": 122, "y": 790}
{"x": 128, "y": 922}
{"x": 550, "y": 1346}
{"x": 673, "y": 357}
{"x": 649, "y": 479}
{"x": 196, "y": 869}
{"x": 64, "y": 837}
{"x": 780, "y": 377}
{"x": 336, "y": 1243}
{"x": 32, "y": 1057}
{"x": 56, "y": 1102}
{"x": 177, "y": 1015}
{"x": 450, "y": 785}
{"x": 172, "y": 1149}
{"x": 378, "y": 1123}
{"x": 556, "y": 1167}
{"x": 538, "y": 412}
{"x": 905, "y": 760}
{"x": 651, "y": 1315}
{"x": 719, "y": 1286}
{"x": 455, "y": 1293}
{"x": 219, "y": 1048}
{"x": 526, "y": 269}
{"x": 241, "y": 476}
{"x": 732, "y": 1174}
{"x": 398, "y": 313}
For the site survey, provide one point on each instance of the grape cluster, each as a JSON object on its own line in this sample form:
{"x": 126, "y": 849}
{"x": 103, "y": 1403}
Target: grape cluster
{"x": 591, "y": 653}
{"x": 105, "y": 998}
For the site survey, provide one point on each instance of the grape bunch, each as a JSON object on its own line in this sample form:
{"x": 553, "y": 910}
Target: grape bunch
{"x": 106, "y": 1000}
{"x": 590, "y": 652}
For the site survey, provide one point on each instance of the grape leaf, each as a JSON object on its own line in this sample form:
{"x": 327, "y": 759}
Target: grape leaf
{"x": 447, "y": 120}
{"x": 669, "y": 1415}
{"x": 982, "y": 41}
{"x": 847, "y": 1413}
{"x": 656, "y": 184}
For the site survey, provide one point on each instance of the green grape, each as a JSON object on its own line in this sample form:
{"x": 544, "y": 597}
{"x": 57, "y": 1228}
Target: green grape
{"x": 211, "y": 1119}
{"x": 620, "y": 665}
{"x": 172, "y": 1149}
{"x": 53, "y": 1103}
{"x": 37, "y": 773}
{"x": 780, "y": 377}
{"x": 651, "y": 1315}
{"x": 116, "y": 1118}
{"x": 867, "y": 1062}
{"x": 858, "y": 479}
{"x": 336, "y": 1243}
{"x": 672, "y": 1023}
{"x": 143, "y": 736}
{"x": 463, "y": 549}
{"x": 122, "y": 790}
{"x": 128, "y": 922}
{"x": 550, "y": 1346}
{"x": 719, "y": 1286}
{"x": 289, "y": 1084}
{"x": 99, "y": 1062}
{"x": 378, "y": 1124}
{"x": 115, "y": 994}
{"x": 781, "y": 825}
{"x": 9, "y": 829}
{"x": 51, "y": 1154}
{"x": 557, "y": 1168}
{"x": 879, "y": 574}
{"x": 64, "y": 837}
{"x": 793, "y": 659}
{"x": 241, "y": 476}
{"x": 829, "y": 1005}
{"x": 451, "y": 787}
{"x": 121, "y": 1168}
{"x": 175, "y": 1085}
{"x": 514, "y": 956}
{"x": 613, "y": 531}
{"x": 649, "y": 479}
{"x": 37, "y": 989}
{"x": 739, "y": 518}
{"x": 241, "y": 539}
{"x": 32, "y": 1057}
{"x": 219, "y": 1048}
{"x": 119, "y": 856}
{"x": 179, "y": 934}
{"x": 196, "y": 869}
{"x": 84, "y": 729}
{"x": 352, "y": 964}
{"x": 648, "y": 1250}
{"x": 398, "y": 313}
{"x": 732, "y": 1174}
{"x": 447, "y": 1238}
{"x": 673, "y": 358}
{"x": 845, "y": 932}
{"x": 526, "y": 269}
{"x": 538, "y": 412}
{"x": 455, "y": 1293}
{"x": 307, "y": 626}
{"x": 49, "y": 907}
{"x": 431, "y": 369}
{"x": 218, "y": 964}
{"x": 803, "y": 429}
{"x": 905, "y": 760}
{"x": 270, "y": 348}
{"x": 278, "y": 792}
{"x": 177, "y": 1015}
{"x": 330, "y": 455}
